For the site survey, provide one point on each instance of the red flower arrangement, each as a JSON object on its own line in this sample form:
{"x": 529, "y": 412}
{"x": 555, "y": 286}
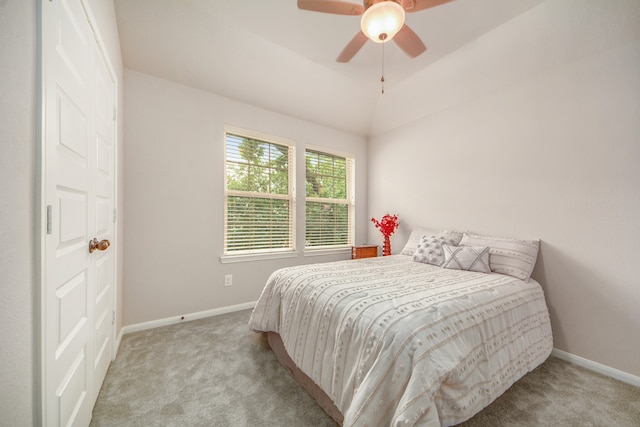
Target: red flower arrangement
{"x": 387, "y": 225}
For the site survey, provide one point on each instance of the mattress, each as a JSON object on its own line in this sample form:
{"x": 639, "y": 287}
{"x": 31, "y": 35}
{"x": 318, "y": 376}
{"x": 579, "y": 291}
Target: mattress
{"x": 396, "y": 342}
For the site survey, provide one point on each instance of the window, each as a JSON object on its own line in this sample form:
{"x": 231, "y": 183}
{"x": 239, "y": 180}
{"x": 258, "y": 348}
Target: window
{"x": 329, "y": 200}
{"x": 259, "y": 194}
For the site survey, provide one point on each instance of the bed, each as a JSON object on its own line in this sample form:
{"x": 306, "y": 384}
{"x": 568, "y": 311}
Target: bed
{"x": 390, "y": 341}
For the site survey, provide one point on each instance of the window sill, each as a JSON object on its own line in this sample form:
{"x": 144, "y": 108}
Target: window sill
{"x": 229, "y": 259}
{"x": 331, "y": 251}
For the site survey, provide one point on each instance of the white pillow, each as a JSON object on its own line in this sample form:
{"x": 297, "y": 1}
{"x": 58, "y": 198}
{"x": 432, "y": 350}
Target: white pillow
{"x": 507, "y": 256}
{"x": 430, "y": 250}
{"x": 471, "y": 258}
{"x": 417, "y": 233}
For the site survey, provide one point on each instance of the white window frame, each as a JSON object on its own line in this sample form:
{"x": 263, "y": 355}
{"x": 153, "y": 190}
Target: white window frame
{"x": 350, "y": 201}
{"x": 271, "y": 253}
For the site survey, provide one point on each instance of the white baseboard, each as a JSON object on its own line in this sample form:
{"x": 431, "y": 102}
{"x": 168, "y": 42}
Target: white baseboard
{"x": 597, "y": 367}
{"x": 183, "y": 318}
{"x": 118, "y": 341}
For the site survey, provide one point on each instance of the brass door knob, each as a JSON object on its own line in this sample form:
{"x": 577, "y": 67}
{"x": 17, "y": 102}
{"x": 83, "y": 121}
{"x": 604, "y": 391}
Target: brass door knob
{"x": 101, "y": 245}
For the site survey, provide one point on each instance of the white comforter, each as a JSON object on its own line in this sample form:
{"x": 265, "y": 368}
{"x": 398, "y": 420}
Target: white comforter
{"x": 398, "y": 343}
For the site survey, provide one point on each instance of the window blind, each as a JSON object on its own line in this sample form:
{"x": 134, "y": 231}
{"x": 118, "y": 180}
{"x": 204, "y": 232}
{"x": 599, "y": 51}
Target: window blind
{"x": 259, "y": 198}
{"x": 329, "y": 200}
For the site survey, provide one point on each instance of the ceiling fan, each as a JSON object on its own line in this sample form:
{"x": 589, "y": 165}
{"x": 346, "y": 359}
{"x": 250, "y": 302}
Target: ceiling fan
{"x": 382, "y": 20}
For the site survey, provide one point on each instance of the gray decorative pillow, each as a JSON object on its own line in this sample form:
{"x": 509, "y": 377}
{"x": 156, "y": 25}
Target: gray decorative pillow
{"x": 471, "y": 258}
{"x": 417, "y": 234}
{"x": 429, "y": 250}
{"x": 414, "y": 239}
{"x": 508, "y": 256}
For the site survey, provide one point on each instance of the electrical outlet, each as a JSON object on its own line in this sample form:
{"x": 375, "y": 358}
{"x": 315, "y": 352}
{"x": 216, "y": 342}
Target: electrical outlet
{"x": 228, "y": 280}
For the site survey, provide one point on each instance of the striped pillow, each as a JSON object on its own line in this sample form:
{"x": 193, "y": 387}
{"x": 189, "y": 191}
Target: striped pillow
{"x": 512, "y": 257}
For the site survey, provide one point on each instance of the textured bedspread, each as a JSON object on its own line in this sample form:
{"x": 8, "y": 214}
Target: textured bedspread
{"x": 398, "y": 343}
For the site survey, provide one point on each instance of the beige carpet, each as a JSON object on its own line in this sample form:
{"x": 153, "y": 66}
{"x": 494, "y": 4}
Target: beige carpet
{"x": 215, "y": 372}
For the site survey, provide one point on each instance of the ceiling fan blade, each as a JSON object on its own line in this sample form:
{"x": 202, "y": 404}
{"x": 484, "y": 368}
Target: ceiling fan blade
{"x": 416, "y": 5}
{"x": 338, "y": 7}
{"x": 352, "y": 47}
{"x": 409, "y": 42}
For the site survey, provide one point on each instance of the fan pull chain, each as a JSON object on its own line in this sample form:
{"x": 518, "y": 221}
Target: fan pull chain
{"x": 382, "y": 78}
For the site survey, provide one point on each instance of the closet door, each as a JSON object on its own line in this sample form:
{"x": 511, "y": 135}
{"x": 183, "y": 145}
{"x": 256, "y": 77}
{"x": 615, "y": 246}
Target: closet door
{"x": 78, "y": 173}
{"x": 105, "y": 218}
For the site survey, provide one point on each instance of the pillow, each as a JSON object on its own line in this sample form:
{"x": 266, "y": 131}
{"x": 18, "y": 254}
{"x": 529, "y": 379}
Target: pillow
{"x": 507, "y": 256}
{"x": 471, "y": 258}
{"x": 417, "y": 233}
{"x": 429, "y": 250}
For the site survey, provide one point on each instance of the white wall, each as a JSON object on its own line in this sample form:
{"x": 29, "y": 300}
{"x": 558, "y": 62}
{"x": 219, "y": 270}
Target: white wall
{"x": 533, "y": 131}
{"x": 174, "y": 168}
{"x": 17, "y": 247}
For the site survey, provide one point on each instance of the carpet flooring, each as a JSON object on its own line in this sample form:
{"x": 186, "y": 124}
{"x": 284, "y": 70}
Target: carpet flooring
{"x": 215, "y": 372}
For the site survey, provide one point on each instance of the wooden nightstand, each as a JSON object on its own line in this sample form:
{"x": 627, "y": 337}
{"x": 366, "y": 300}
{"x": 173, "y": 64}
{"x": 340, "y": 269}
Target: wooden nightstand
{"x": 364, "y": 251}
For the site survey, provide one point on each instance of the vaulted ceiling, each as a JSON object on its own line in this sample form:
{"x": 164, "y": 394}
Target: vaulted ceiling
{"x": 272, "y": 55}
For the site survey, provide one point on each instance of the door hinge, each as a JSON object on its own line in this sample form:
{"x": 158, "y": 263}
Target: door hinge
{"x": 115, "y": 215}
{"x": 49, "y": 220}
{"x": 113, "y": 317}
{"x": 115, "y": 114}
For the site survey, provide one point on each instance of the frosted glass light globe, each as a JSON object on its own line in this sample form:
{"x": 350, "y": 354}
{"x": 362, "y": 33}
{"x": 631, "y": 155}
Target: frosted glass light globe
{"x": 382, "y": 21}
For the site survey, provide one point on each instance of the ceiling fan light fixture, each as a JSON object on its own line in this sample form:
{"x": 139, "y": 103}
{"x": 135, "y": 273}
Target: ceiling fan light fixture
{"x": 382, "y": 21}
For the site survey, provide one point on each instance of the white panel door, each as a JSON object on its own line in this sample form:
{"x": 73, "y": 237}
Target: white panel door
{"x": 78, "y": 190}
{"x": 104, "y": 178}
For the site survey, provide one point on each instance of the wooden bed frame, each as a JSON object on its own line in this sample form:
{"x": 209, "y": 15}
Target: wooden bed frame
{"x": 325, "y": 402}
